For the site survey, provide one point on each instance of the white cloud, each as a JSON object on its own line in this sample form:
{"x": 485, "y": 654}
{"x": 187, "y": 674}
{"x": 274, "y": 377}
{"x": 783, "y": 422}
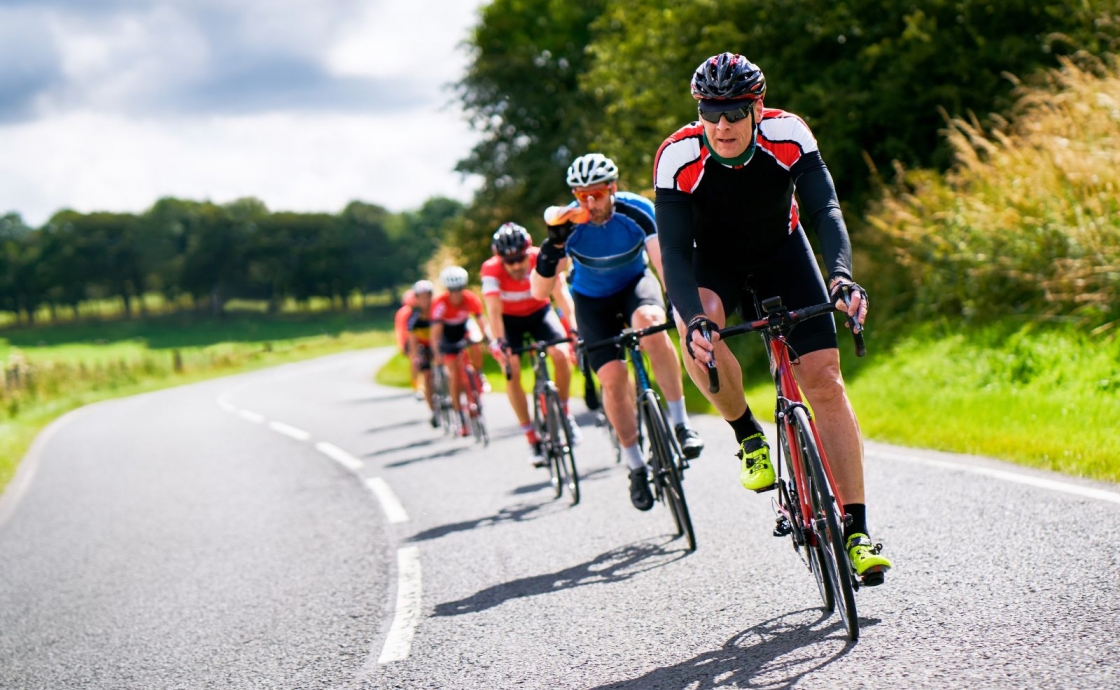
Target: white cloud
{"x": 301, "y": 162}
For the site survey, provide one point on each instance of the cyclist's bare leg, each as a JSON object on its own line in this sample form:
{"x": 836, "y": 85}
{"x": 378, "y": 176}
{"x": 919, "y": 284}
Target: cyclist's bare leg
{"x": 516, "y": 395}
{"x": 618, "y": 401}
{"x": 562, "y": 369}
{"x": 729, "y": 401}
{"x": 662, "y": 354}
{"x": 820, "y": 379}
{"x": 476, "y": 356}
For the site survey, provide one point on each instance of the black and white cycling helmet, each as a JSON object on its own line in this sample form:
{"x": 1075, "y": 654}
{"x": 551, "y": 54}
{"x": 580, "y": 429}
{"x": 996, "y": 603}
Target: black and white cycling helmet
{"x": 728, "y": 77}
{"x": 591, "y": 169}
{"x": 422, "y": 287}
{"x": 510, "y": 240}
{"x": 453, "y": 278}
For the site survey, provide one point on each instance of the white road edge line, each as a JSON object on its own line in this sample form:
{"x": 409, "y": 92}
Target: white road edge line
{"x": 399, "y": 642}
{"x": 1014, "y": 477}
{"x": 289, "y": 430}
{"x": 250, "y": 416}
{"x": 340, "y": 456}
{"x": 227, "y": 405}
{"x": 389, "y": 502}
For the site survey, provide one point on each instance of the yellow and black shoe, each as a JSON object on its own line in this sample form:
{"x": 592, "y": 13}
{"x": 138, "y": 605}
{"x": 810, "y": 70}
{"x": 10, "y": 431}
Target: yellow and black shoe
{"x": 866, "y": 560}
{"x": 756, "y": 473}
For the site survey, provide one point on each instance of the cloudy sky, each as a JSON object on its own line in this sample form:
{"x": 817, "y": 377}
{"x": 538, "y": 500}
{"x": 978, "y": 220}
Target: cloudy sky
{"x": 305, "y": 104}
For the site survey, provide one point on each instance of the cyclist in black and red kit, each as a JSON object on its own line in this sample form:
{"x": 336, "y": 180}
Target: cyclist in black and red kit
{"x": 726, "y": 214}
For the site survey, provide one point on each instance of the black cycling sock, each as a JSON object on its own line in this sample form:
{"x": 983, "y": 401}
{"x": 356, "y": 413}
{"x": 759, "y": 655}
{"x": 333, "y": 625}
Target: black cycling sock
{"x": 745, "y": 426}
{"x": 858, "y": 511}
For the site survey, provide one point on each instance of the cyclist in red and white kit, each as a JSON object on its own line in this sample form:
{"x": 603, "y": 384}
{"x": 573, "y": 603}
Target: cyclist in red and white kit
{"x": 514, "y": 313}
{"x": 450, "y": 313}
{"x": 727, "y": 215}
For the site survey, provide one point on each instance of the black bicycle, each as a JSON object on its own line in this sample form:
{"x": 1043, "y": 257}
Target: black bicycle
{"x": 441, "y": 400}
{"x": 550, "y": 420}
{"x": 666, "y": 459}
{"x": 809, "y": 507}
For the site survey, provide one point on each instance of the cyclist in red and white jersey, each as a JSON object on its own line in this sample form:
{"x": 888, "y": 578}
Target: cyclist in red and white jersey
{"x": 450, "y": 313}
{"x": 514, "y": 313}
{"x": 726, "y": 213}
{"x": 420, "y": 341}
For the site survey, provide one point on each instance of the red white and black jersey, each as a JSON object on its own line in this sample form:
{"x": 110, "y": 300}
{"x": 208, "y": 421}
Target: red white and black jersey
{"x": 742, "y": 213}
{"x": 454, "y": 318}
{"x": 517, "y": 297}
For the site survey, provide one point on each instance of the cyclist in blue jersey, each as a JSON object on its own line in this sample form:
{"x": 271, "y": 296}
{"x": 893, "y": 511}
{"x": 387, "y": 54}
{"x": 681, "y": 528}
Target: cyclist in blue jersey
{"x": 610, "y": 238}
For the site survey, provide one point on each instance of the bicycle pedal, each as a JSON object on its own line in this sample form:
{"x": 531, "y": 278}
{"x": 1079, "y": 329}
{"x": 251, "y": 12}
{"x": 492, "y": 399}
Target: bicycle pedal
{"x": 873, "y": 577}
{"x": 782, "y": 527}
{"x": 767, "y": 488}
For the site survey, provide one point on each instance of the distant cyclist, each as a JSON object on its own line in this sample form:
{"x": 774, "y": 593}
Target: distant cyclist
{"x": 400, "y": 328}
{"x": 610, "y": 237}
{"x": 514, "y": 313}
{"x": 726, "y": 212}
{"x": 420, "y": 342}
{"x": 450, "y": 313}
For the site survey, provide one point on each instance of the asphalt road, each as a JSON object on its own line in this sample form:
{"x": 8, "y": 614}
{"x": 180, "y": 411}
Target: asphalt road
{"x": 228, "y": 535}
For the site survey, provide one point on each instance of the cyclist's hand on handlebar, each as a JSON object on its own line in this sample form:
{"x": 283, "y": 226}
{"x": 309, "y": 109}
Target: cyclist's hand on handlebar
{"x": 700, "y": 348}
{"x": 498, "y": 347}
{"x": 849, "y": 297}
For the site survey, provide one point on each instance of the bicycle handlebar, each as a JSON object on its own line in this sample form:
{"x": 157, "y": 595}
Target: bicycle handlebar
{"x": 779, "y": 322}
{"x": 625, "y": 335}
{"x": 532, "y": 347}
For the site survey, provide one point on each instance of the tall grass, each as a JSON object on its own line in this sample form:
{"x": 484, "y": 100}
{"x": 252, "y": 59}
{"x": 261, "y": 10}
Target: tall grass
{"x": 1028, "y": 219}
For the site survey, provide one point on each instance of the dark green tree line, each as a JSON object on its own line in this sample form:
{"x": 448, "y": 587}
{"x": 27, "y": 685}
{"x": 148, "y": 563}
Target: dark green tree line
{"x": 214, "y": 253}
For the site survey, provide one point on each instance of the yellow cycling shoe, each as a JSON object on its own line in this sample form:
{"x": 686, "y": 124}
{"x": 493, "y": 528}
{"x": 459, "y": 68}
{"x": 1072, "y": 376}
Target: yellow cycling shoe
{"x": 868, "y": 563}
{"x": 756, "y": 473}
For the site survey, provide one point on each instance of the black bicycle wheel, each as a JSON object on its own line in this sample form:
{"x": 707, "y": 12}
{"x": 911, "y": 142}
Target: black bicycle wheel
{"x": 547, "y": 431}
{"x": 665, "y": 469}
{"x": 478, "y": 420}
{"x": 827, "y": 525}
{"x": 564, "y": 458}
{"x": 809, "y": 551}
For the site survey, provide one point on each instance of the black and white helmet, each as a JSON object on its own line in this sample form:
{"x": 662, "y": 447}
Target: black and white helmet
{"x": 453, "y": 278}
{"x": 510, "y": 240}
{"x": 591, "y": 169}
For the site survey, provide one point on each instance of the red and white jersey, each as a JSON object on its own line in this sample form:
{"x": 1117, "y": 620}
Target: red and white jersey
{"x": 454, "y": 318}
{"x": 517, "y": 298}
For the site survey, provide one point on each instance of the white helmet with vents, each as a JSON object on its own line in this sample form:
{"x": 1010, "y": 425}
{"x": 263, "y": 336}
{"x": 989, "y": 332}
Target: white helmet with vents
{"x": 453, "y": 278}
{"x": 591, "y": 169}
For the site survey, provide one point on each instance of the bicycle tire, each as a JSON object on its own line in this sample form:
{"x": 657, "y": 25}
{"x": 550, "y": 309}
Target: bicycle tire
{"x": 827, "y": 525}
{"x": 810, "y": 552}
{"x": 544, "y": 425}
{"x": 666, "y": 471}
{"x": 564, "y": 455}
{"x": 474, "y": 395}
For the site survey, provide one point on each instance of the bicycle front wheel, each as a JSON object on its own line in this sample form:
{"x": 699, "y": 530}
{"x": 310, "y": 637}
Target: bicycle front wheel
{"x": 543, "y": 423}
{"x": 478, "y": 420}
{"x": 827, "y": 524}
{"x": 806, "y": 546}
{"x": 564, "y": 457}
{"x": 665, "y": 469}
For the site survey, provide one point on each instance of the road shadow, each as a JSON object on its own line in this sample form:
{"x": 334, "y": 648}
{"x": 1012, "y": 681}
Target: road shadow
{"x": 518, "y": 513}
{"x": 777, "y": 653}
{"x": 593, "y": 475}
{"x": 407, "y": 446}
{"x": 396, "y": 425}
{"x": 616, "y": 565}
{"x": 456, "y": 450}
{"x": 388, "y": 397}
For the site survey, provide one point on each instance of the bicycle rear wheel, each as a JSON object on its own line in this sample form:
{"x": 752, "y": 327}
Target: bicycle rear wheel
{"x": 665, "y": 469}
{"x": 542, "y": 422}
{"x": 564, "y": 458}
{"x": 827, "y": 524}
{"x": 804, "y": 543}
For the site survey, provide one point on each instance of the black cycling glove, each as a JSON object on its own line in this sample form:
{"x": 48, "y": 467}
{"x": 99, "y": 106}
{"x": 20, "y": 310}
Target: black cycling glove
{"x": 694, "y": 325}
{"x": 548, "y": 259}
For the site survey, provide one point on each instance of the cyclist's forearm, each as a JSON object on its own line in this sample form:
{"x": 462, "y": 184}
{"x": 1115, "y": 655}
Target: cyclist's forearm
{"x": 542, "y": 286}
{"x": 564, "y": 300}
{"x": 494, "y": 316}
{"x": 674, "y": 229}
{"x": 821, "y": 207}
{"x": 653, "y": 249}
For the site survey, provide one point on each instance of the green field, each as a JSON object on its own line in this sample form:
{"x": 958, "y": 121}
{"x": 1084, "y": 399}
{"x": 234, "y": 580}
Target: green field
{"x": 71, "y": 365}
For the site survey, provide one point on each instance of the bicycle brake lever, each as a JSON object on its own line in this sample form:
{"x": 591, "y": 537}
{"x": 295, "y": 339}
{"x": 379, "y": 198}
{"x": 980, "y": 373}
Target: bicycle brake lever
{"x": 713, "y": 373}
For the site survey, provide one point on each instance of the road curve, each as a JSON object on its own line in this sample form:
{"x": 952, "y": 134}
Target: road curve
{"x": 302, "y": 527}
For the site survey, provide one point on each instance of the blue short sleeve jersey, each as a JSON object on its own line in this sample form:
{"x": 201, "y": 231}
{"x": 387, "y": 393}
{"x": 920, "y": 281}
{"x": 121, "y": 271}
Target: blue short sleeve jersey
{"x": 608, "y": 257}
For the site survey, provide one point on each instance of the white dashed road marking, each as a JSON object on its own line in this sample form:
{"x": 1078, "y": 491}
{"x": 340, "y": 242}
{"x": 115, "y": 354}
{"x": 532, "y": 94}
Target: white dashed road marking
{"x": 289, "y": 430}
{"x": 399, "y": 642}
{"x": 340, "y": 456}
{"x": 389, "y": 502}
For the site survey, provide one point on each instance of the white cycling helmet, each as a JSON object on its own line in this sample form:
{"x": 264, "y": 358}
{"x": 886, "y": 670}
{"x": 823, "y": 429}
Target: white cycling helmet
{"x": 453, "y": 278}
{"x": 422, "y": 287}
{"x": 591, "y": 169}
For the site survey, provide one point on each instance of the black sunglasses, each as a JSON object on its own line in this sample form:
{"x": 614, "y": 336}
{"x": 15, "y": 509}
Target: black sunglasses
{"x": 513, "y": 259}
{"x": 732, "y": 116}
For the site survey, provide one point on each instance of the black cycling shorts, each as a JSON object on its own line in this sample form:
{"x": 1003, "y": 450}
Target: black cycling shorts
{"x": 541, "y": 325}
{"x": 600, "y": 318}
{"x": 790, "y": 272}
{"x": 424, "y": 352}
